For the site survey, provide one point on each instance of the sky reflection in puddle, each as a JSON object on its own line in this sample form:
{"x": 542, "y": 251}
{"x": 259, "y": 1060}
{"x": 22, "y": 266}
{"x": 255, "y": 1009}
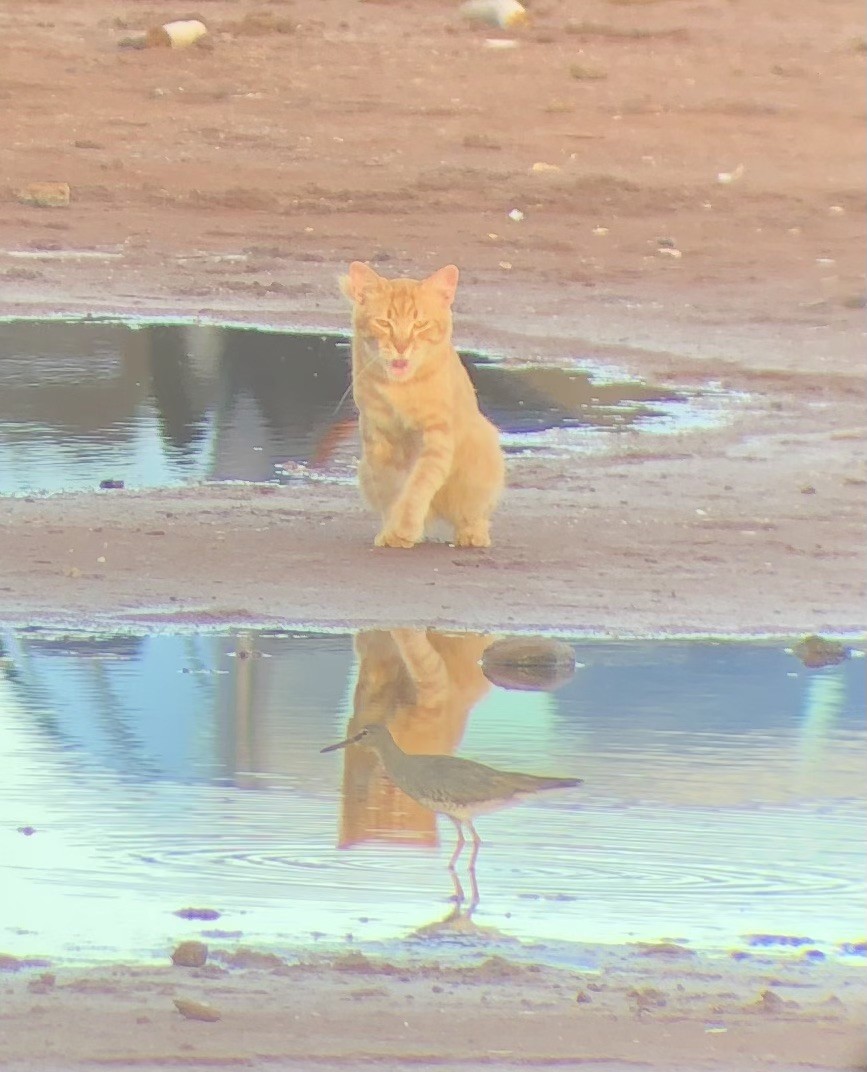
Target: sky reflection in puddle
{"x": 723, "y": 792}
{"x": 157, "y": 404}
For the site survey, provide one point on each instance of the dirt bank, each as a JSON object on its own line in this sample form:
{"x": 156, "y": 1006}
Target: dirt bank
{"x": 235, "y": 181}
{"x": 636, "y": 1008}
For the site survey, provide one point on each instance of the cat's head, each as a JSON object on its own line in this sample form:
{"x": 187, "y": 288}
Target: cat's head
{"x": 402, "y": 321}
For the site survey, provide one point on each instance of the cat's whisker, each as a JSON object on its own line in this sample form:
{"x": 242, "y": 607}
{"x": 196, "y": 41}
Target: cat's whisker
{"x": 376, "y": 359}
{"x": 343, "y": 398}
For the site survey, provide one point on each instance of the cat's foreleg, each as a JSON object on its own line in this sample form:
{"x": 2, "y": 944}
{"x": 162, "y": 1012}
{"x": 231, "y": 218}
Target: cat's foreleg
{"x": 425, "y": 665}
{"x": 470, "y": 497}
{"x": 404, "y": 524}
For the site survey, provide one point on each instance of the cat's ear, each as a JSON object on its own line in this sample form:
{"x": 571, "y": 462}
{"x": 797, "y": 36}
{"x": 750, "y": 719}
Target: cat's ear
{"x": 444, "y": 282}
{"x": 361, "y": 278}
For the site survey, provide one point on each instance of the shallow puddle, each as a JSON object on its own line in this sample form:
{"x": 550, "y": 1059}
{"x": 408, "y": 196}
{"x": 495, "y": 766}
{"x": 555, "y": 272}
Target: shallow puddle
{"x": 723, "y": 802}
{"x": 156, "y": 404}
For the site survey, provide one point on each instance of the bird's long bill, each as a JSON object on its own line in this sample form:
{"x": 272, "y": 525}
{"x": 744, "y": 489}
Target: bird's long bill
{"x": 342, "y": 744}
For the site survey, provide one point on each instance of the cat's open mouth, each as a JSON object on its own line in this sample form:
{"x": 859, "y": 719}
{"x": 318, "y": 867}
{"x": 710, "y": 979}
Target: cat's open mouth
{"x": 399, "y": 365}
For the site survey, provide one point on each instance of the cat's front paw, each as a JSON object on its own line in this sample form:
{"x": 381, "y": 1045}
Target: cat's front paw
{"x": 389, "y": 538}
{"x": 473, "y": 536}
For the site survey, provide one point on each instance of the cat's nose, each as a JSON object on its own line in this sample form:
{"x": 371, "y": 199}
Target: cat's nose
{"x": 400, "y": 348}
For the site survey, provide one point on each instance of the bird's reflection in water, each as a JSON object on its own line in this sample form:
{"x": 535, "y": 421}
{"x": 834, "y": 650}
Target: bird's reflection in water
{"x": 412, "y": 691}
{"x": 422, "y": 685}
{"x": 458, "y": 923}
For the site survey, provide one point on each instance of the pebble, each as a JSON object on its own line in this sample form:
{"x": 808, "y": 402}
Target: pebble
{"x": 197, "y": 1010}
{"x": 190, "y": 954}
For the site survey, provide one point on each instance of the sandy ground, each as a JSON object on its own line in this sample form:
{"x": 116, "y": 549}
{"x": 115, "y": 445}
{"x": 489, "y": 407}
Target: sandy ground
{"x": 640, "y": 1008}
{"x": 235, "y": 182}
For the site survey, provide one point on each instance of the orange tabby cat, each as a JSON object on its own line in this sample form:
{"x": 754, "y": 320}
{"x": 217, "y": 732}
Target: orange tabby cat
{"x": 427, "y": 451}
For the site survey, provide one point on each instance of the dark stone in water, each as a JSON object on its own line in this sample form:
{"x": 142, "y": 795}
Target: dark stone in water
{"x": 529, "y": 663}
{"x": 815, "y": 651}
{"x": 110, "y": 485}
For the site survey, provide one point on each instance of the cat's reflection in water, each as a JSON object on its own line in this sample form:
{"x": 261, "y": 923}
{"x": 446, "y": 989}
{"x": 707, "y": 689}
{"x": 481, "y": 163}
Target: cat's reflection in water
{"x": 422, "y": 685}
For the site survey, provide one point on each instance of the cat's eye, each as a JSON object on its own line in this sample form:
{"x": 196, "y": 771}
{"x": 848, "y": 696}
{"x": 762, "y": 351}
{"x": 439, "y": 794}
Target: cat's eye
{"x": 381, "y": 322}
{"x": 422, "y": 325}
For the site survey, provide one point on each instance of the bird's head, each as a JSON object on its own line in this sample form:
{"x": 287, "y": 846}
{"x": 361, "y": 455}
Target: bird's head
{"x": 373, "y": 735}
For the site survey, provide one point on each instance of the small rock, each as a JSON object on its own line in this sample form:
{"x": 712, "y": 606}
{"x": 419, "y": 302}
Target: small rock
{"x": 245, "y": 957}
{"x": 481, "y": 141}
{"x": 197, "y": 1010}
{"x": 516, "y": 214}
{"x": 771, "y": 1002}
{"x": 815, "y": 651}
{"x": 27, "y": 831}
{"x": 179, "y": 34}
{"x": 110, "y": 485}
{"x": 529, "y": 663}
{"x": 648, "y": 998}
{"x": 191, "y": 954}
{"x": 728, "y": 177}
{"x": 502, "y": 13}
{"x": 583, "y": 998}
{"x": 540, "y": 167}
{"x": 664, "y": 949}
{"x": 584, "y": 73}
{"x": 45, "y": 194}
